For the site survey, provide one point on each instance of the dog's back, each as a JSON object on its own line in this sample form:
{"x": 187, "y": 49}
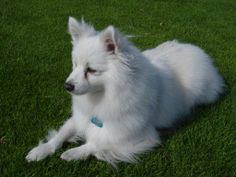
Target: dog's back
{"x": 191, "y": 77}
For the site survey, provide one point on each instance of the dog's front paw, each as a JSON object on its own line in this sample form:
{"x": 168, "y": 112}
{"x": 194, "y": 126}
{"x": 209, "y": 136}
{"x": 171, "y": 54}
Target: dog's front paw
{"x": 74, "y": 154}
{"x": 40, "y": 152}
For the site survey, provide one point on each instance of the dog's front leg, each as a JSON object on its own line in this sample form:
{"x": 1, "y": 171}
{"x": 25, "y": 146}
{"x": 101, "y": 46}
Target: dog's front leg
{"x": 44, "y": 149}
{"x": 81, "y": 152}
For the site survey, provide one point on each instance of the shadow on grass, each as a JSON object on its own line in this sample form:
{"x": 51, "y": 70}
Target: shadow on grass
{"x": 193, "y": 116}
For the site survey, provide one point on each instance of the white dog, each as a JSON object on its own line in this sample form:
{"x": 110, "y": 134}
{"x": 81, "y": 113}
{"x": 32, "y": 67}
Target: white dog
{"x": 120, "y": 95}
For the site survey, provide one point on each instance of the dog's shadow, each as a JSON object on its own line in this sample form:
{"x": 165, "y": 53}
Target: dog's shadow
{"x": 166, "y": 132}
{"x": 194, "y": 115}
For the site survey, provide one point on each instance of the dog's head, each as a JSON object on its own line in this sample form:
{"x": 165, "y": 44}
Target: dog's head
{"x": 95, "y": 57}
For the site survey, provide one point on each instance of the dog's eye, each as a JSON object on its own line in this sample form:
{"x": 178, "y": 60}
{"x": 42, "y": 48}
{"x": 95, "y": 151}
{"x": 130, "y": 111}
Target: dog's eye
{"x": 90, "y": 70}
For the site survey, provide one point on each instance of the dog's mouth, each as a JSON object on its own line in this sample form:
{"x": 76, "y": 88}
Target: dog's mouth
{"x": 77, "y": 92}
{"x": 72, "y": 88}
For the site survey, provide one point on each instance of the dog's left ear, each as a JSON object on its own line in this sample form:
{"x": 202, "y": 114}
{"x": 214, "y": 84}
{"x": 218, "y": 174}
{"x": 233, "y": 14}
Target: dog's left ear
{"x": 112, "y": 39}
{"x": 79, "y": 29}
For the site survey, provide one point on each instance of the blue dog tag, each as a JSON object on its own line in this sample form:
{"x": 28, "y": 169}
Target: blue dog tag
{"x": 97, "y": 122}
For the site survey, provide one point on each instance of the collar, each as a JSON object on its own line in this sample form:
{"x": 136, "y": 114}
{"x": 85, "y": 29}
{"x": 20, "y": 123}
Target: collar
{"x": 96, "y": 121}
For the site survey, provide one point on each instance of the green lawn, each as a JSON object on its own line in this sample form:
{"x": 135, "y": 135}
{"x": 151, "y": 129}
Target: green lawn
{"x": 35, "y": 61}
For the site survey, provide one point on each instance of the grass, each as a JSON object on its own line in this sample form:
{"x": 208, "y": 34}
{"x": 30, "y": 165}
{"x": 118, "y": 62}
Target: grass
{"x": 35, "y": 61}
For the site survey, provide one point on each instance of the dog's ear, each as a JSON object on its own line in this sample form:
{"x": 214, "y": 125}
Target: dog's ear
{"x": 112, "y": 39}
{"x": 79, "y": 29}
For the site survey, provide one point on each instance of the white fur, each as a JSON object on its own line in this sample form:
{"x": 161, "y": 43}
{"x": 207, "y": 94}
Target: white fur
{"x": 131, "y": 92}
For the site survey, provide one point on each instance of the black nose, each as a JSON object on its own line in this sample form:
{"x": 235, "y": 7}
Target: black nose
{"x": 69, "y": 87}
